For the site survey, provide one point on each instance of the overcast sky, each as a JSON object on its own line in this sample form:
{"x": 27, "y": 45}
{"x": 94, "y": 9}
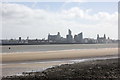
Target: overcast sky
{"x": 37, "y": 19}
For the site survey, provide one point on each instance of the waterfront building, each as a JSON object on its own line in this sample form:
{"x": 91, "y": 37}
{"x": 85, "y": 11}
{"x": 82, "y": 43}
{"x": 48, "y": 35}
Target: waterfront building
{"x": 69, "y": 37}
{"x": 20, "y": 39}
{"x": 0, "y": 42}
{"x": 11, "y": 41}
{"x": 78, "y": 38}
{"x": 54, "y": 38}
{"x": 101, "y": 39}
{"x": 37, "y": 41}
{"x": 89, "y": 41}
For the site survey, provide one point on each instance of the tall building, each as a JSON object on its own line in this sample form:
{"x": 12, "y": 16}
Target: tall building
{"x": 104, "y": 36}
{"x": 97, "y": 36}
{"x": 20, "y": 39}
{"x": 101, "y": 39}
{"x": 54, "y": 38}
{"x": 69, "y": 37}
{"x": 79, "y": 38}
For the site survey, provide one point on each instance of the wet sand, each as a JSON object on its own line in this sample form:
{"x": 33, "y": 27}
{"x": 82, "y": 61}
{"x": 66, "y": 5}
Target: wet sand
{"x": 19, "y": 62}
{"x": 52, "y": 55}
{"x": 12, "y": 69}
{"x": 106, "y": 69}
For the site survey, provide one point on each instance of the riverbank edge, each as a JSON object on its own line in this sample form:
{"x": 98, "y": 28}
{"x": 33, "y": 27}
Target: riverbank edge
{"x": 105, "y": 69}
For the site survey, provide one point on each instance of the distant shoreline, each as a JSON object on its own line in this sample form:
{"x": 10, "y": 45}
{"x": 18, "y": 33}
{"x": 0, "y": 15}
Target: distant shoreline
{"x": 53, "y": 43}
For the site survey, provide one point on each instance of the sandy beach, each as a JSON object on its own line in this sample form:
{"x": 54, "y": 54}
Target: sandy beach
{"x": 14, "y": 63}
{"x": 50, "y": 55}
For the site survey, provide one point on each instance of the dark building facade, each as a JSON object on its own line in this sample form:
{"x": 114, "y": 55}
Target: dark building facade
{"x": 69, "y": 37}
{"x": 101, "y": 39}
{"x": 79, "y": 38}
{"x": 54, "y": 38}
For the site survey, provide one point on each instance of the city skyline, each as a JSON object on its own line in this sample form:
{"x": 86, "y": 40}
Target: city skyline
{"x": 38, "y": 19}
{"x": 58, "y": 39}
{"x": 68, "y": 32}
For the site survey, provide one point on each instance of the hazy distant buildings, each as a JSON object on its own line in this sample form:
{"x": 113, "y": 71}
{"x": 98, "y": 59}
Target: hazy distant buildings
{"x": 79, "y": 38}
{"x": 56, "y": 39}
{"x": 101, "y": 39}
{"x": 89, "y": 41}
{"x": 69, "y": 37}
{"x": 20, "y": 39}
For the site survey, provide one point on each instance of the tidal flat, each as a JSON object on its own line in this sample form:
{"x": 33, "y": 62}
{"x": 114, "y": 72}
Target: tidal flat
{"x": 90, "y": 70}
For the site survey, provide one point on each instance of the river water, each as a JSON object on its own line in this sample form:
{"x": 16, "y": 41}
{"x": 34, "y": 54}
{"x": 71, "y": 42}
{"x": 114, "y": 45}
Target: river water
{"x": 38, "y": 48}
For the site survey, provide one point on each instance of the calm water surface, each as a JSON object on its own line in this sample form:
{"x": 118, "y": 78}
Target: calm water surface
{"x": 38, "y": 48}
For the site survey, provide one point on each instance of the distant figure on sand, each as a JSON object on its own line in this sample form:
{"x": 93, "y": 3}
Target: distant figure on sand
{"x": 9, "y": 48}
